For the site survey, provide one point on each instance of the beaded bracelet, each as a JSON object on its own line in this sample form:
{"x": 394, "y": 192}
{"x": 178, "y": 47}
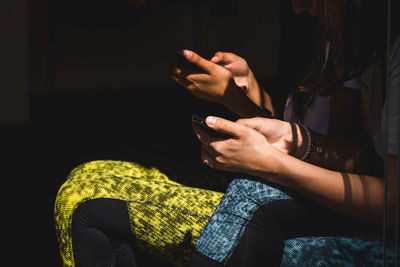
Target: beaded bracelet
{"x": 311, "y": 145}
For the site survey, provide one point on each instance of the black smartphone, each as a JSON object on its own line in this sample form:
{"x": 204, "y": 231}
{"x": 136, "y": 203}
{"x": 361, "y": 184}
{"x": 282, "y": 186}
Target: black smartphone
{"x": 182, "y": 62}
{"x": 201, "y": 121}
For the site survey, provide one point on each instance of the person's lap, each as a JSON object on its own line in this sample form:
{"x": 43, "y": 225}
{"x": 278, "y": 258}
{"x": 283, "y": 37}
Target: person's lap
{"x": 258, "y": 223}
{"x": 167, "y": 218}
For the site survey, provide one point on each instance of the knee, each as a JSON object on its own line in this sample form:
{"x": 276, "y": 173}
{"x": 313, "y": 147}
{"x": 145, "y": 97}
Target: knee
{"x": 240, "y": 204}
{"x": 75, "y": 190}
{"x": 244, "y": 196}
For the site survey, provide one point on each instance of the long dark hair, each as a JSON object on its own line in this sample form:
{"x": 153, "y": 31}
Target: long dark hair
{"x": 348, "y": 38}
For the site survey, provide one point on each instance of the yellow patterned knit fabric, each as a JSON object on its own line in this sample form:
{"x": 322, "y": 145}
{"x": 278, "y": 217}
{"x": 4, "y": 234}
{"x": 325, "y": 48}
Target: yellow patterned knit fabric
{"x": 166, "y": 217}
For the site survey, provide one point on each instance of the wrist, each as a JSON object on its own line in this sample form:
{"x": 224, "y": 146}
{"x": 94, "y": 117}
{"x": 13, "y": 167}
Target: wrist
{"x": 252, "y": 82}
{"x": 274, "y": 166}
{"x": 295, "y": 138}
{"x": 233, "y": 98}
{"x": 253, "y": 90}
{"x": 239, "y": 103}
{"x": 309, "y": 145}
{"x": 259, "y": 96}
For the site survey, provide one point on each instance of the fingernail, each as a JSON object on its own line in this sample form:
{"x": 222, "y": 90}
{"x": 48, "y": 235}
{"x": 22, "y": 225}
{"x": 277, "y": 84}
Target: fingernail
{"x": 215, "y": 58}
{"x": 187, "y": 53}
{"x": 211, "y": 121}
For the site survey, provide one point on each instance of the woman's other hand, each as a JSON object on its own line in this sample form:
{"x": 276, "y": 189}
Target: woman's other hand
{"x": 218, "y": 83}
{"x": 215, "y": 84}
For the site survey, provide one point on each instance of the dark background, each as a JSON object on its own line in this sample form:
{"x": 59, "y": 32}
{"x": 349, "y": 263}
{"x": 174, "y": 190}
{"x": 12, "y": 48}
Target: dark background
{"x": 87, "y": 80}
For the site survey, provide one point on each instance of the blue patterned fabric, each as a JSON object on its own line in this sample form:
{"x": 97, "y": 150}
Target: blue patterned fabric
{"x": 228, "y": 222}
{"x": 224, "y": 230}
{"x": 336, "y": 251}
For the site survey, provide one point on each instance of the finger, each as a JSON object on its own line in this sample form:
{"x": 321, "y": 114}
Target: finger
{"x": 194, "y": 58}
{"x": 182, "y": 74}
{"x": 181, "y": 81}
{"x": 206, "y": 78}
{"x": 254, "y": 123}
{"x": 189, "y": 75}
{"x": 208, "y": 140}
{"x": 204, "y": 137}
{"x": 223, "y": 58}
{"x": 206, "y": 158}
{"x": 198, "y": 77}
{"x": 217, "y": 58}
{"x": 177, "y": 74}
{"x": 225, "y": 126}
{"x": 177, "y": 71}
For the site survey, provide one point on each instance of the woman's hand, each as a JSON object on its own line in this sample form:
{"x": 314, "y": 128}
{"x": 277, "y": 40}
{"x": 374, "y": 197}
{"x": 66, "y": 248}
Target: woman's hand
{"x": 219, "y": 83}
{"x": 254, "y": 144}
{"x": 284, "y": 136}
{"x": 215, "y": 84}
{"x": 248, "y": 151}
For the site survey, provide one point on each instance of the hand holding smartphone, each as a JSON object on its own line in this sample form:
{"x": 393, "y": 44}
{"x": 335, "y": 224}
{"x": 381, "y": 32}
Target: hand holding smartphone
{"x": 201, "y": 121}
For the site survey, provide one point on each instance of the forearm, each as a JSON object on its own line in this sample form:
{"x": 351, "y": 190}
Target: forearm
{"x": 259, "y": 96}
{"x": 240, "y": 104}
{"x": 249, "y": 102}
{"x": 340, "y": 154}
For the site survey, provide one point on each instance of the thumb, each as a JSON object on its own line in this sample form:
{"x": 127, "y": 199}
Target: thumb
{"x": 218, "y": 57}
{"x": 223, "y": 58}
{"x": 194, "y": 58}
{"x": 225, "y": 126}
